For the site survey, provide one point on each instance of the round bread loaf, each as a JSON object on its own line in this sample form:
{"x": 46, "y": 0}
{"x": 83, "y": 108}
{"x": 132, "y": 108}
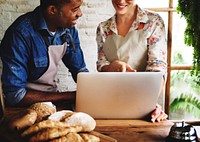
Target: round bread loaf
{"x": 75, "y": 119}
{"x": 82, "y": 119}
{"x": 60, "y": 115}
{"x": 43, "y": 110}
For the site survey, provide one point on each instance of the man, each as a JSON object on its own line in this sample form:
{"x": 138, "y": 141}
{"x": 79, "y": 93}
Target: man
{"x": 32, "y": 48}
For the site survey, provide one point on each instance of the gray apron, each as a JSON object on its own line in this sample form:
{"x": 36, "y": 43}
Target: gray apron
{"x": 131, "y": 49}
{"x": 47, "y": 81}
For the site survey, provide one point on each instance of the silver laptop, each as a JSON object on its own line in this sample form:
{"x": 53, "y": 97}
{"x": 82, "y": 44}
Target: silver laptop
{"x": 118, "y": 95}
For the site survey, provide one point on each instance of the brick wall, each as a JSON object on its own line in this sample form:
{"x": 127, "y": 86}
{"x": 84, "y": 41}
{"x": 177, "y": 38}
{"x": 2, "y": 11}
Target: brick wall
{"x": 94, "y": 11}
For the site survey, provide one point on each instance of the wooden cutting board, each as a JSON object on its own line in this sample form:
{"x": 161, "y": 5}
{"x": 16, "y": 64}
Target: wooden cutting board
{"x": 103, "y": 138}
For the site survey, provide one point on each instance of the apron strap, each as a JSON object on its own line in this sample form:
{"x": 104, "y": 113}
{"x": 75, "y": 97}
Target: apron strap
{"x": 71, "y": 39}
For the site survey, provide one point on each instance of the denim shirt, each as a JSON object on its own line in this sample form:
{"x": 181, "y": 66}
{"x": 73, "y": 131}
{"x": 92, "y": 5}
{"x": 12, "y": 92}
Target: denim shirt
{"x": 24, "y": 53}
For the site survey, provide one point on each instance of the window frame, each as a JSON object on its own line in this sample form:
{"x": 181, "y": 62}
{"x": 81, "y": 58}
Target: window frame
{"x": 170, "y": 10}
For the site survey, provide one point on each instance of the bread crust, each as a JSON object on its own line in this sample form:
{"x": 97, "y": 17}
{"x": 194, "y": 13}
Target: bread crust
{"x": 82, "y": 119}
{"x": 75, "y": 119}
{"x": 87, "y": 137}
{"x": 43, "y": 110}
{"x": 70, "y": 137}
{"x": 61, "y": 115}
{"x": 22, "y": 120}
{"x": 43, "y": 125}
{"x": 52, "y": 133}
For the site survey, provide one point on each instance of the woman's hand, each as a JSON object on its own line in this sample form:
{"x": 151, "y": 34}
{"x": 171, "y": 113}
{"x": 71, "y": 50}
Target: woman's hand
{"x": 158, "y": 114}
{"x": 118, "y": 66}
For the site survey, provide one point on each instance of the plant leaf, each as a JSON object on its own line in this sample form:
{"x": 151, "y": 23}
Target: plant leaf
{"x": 186, "y": 102}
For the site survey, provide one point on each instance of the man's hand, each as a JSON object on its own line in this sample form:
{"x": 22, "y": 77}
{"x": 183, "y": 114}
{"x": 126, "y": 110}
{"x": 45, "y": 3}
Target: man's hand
{"x": 118, "y": 66}
{"x": 158, "y": 114}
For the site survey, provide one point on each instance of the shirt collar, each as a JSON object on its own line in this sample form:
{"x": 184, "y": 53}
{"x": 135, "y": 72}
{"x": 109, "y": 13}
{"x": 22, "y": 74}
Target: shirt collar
{"x": 113, "y": 24}
{"x": 39, "y": 22}
{"x": 142, "y": 16}
{"x": 41, "y": 25}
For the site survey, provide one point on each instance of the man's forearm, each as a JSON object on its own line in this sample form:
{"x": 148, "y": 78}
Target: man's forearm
{"x": 54, "y": 97}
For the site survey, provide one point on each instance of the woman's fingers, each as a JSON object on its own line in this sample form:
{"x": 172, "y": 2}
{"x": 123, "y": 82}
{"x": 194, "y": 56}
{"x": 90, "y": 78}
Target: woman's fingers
{"x": 119, "y": 66}
{"x": 155, "y": 114}
{"x": 162, "y": 116}
{"x": 158, "y": 114}
{"x": 129, "y": 68}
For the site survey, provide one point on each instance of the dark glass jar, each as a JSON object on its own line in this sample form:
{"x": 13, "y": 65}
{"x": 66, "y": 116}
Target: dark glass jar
{"x": 182, "y": 132}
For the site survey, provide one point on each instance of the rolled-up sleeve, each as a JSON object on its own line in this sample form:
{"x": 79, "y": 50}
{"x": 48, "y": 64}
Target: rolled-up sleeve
{"x": 14, "y": 73}
{"x": 100, "y": 39}
{"x": 74, "y": 58}
{"x": 157, "y": 47}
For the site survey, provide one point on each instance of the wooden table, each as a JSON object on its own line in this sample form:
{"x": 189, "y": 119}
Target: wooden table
{"x": 121, "y": 130}
{"x": 134, "y": 130}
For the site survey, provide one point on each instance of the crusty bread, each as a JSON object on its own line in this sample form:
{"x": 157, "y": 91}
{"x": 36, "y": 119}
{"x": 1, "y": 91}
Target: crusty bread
{"x": 87, "y": 137}
{"x": 82, "y": 119}
{"x": 60, "y": 126}
{"x": 52, "y": 133}
{"x": 43, "y": 125}
{"x": 75, "y": 119}
{"x": 43, "y": 110}
{"x": 70, "y": 137}
{"x": 22, "y": 120}
{"x": 60, "y": 115}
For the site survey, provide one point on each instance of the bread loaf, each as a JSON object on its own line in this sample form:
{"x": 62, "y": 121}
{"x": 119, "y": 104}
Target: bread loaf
{"x": 43, "y": 125}
{"x": 75, "y": 119}
{"x": 43, "y": 110}
{"x": 82, "y": 119}
{"x": 52, "y": 133}
{"x": 60, "y": 115}
{"x": 87, "y": 137}
{"x": 70, "y": 137}
{"x": 22, "y": 120}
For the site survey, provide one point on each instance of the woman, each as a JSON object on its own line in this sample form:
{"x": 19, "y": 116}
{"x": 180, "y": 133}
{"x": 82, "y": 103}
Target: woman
{"x": 134, "y": 39}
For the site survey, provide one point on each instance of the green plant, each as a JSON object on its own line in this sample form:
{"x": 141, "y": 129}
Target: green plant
{"x": 187, "y": 102}
{"x": 189, "y": 9}
{"x": 186, "y": 98}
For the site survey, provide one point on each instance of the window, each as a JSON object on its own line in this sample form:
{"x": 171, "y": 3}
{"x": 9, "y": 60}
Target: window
{"x": 180, "y": 87}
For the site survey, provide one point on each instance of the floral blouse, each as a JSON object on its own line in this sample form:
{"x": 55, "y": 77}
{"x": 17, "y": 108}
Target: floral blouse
{"x": 145, "y": 40}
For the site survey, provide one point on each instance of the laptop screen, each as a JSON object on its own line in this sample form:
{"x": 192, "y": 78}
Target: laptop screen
{"x": 116, "y": 95}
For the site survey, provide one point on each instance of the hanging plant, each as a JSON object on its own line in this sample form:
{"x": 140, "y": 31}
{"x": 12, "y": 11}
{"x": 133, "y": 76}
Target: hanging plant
{"x": 190, "y": 10}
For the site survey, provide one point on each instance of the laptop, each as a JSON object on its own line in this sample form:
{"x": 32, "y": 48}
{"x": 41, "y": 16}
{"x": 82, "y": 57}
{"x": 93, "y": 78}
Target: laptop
{"x": 118, "y": 95}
